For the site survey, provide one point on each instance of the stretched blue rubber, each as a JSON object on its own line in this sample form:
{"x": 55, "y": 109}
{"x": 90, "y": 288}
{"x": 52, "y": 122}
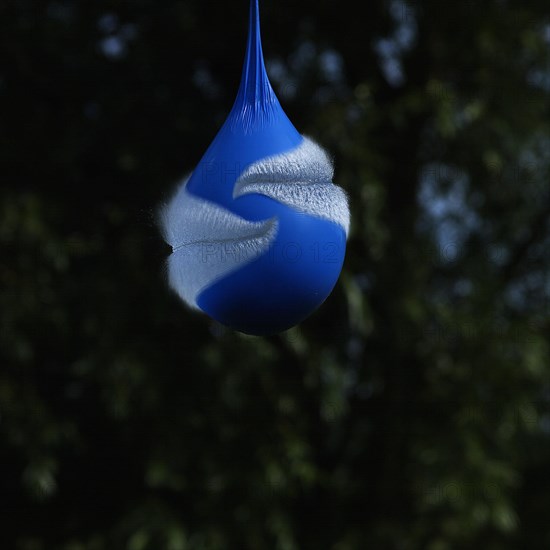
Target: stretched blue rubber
{"x": 282, "y": 287}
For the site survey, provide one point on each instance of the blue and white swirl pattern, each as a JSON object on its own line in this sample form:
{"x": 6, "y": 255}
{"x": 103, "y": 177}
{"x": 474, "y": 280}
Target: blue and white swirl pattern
{"x": 209, "y": 241}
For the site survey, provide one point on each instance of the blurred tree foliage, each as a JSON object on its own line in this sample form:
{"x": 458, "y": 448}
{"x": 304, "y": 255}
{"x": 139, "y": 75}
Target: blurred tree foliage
{"x": 410, "y": 412}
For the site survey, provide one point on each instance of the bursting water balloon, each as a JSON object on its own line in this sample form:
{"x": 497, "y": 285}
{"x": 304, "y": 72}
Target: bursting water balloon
{"x": 258, "y": 231}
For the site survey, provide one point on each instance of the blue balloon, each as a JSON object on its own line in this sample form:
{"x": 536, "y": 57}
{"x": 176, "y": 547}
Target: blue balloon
{"x": 258, "y": 230}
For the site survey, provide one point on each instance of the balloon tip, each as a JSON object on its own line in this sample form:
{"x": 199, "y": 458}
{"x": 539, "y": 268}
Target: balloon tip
{"x": 255, "y": 86}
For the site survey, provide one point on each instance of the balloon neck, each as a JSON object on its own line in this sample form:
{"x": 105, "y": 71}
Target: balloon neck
{"x": 256, "y": 96}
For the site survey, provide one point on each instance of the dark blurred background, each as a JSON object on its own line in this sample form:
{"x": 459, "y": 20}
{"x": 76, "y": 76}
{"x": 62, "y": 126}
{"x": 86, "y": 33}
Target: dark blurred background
{"x": 410, "y": 412}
